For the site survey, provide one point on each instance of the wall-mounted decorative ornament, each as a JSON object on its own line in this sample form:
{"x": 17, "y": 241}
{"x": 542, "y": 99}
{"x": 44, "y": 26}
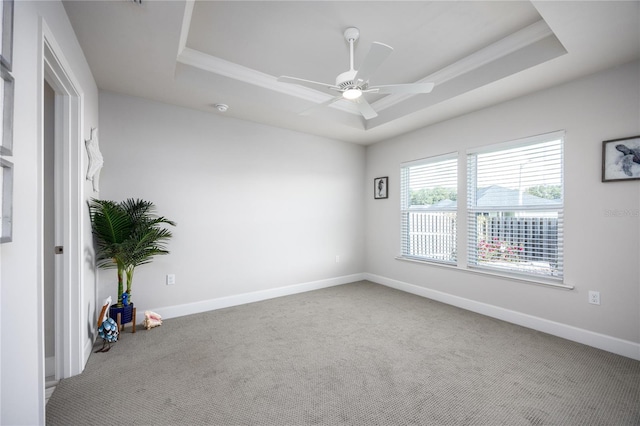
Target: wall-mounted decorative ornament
{"x": 95, "y": 159}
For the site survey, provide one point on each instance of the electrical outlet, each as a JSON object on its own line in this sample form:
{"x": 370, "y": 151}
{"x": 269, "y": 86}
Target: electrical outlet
{"x": 594, "y": 297}
{"x": 171, "y": 279}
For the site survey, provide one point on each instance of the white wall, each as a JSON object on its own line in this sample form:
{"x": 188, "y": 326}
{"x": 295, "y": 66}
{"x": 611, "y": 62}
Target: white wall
{"x": 601, "y": 251}
{"x": 22, "y": 340}
{"x": 258, "y": 208}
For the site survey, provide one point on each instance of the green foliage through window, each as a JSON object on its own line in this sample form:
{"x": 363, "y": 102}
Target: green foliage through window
{"x": 429, "y": 196}
{"x": 550, "y": 192}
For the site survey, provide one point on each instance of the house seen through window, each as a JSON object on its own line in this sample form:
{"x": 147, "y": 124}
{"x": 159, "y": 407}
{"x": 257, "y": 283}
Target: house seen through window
{"x": 515, "y": 206}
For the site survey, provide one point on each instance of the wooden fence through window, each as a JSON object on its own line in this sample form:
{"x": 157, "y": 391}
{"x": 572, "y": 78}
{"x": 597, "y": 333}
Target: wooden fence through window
{"x": 433, "y": 235}
{"x": 538, "y": 236}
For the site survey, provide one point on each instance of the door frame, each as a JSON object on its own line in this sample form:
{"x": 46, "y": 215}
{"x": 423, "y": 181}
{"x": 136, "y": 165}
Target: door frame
{"x": 69, "y": 325}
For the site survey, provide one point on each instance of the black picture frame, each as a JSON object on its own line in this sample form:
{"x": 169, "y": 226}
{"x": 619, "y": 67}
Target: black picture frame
{"x": 621, "y": 159}
{"x": 6, "y": 97}
{"x": 6, "y": 19}
{"x": 6, "y": 233}
{"x": 381, "y": 187}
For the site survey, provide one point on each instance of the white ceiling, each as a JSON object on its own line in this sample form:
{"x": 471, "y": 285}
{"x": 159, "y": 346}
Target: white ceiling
{"x": 198, "y": 54}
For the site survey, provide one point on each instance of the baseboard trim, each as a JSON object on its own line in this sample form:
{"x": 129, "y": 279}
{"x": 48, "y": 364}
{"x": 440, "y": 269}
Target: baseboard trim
{"x": 241, "y": 299}
{"x": 601, "y": 341}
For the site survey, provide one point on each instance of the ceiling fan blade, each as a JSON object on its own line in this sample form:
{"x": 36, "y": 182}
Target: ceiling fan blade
{"x": 376, "y": 56}
{"x": 365, "y": 108}
{"x": 320, "y": 105}
{"x": 307, "y": 83}
{"x": 401, "y": 88}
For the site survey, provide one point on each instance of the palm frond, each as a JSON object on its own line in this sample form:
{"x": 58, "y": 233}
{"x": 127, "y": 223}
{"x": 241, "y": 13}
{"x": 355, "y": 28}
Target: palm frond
{"x": 110, "y": 223}
{"x": 127, "y": 234}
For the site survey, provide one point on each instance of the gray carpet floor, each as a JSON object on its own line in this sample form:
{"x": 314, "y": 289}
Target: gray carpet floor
{"x": 356, "y": 354}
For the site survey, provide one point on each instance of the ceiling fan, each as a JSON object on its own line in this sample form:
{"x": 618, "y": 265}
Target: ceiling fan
{"x": 353, "y": 83}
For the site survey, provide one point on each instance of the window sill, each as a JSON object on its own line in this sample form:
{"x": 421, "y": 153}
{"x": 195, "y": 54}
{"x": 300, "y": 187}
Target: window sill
{"x": 506, "y": 276}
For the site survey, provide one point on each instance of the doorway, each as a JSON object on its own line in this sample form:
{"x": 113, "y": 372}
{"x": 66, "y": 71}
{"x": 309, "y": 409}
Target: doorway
{"x": 62, "y": 219}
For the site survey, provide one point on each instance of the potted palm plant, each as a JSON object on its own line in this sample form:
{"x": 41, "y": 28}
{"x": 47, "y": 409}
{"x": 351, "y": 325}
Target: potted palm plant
{"x": 127, "y": 234}
{"x": 148, "y": 236}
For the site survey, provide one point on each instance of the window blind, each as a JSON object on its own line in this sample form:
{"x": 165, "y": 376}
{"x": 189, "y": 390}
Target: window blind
{"x": 515, "y": 206}
{"x": 428, "y": 209}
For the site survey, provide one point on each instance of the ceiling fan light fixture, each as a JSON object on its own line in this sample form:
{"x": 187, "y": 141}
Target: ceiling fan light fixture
{"x": 352, "y": 94}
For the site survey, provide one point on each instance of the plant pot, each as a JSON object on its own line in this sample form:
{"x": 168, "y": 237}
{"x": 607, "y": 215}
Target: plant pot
{"x": 126, "y": 313}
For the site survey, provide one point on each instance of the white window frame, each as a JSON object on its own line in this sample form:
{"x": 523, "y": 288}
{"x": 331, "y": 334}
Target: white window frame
{"x": 432, "y": 219}
{"x": 553, "y": 210}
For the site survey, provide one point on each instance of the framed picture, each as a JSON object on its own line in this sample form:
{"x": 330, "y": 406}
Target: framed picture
{"x": 6, "y": 20}
{"x": 6, "y": 106}
{"x": 621, "y": 159}
{"x": 7, "y": 200}
{"x": 381, "y": 187}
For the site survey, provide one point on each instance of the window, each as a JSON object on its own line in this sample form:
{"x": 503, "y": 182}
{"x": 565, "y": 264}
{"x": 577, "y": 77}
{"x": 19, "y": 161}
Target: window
{"x": 515, "y": 206}
{"x": 428, "y": 205}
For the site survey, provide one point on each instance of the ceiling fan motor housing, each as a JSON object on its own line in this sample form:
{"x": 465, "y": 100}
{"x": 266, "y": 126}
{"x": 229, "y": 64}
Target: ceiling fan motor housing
{"x": 346, "y": 80}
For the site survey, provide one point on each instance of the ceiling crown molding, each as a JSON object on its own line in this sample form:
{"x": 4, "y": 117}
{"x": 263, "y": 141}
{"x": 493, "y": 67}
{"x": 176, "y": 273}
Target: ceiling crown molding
{"x": 186, "y": 25}
{"x": 248, "y": 75}
{"x": 503, "y": 47}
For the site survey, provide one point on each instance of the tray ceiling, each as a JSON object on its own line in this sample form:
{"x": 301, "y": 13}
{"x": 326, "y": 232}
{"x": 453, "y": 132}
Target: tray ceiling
{"x": 198, "y": 54}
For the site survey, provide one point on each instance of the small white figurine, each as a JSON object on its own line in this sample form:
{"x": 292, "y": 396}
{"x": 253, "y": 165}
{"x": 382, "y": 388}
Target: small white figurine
{"x": 151, "y": 319}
